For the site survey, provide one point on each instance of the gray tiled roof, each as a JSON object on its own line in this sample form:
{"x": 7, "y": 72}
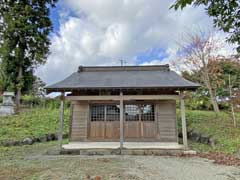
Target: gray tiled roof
{"x": 117, "y": 77}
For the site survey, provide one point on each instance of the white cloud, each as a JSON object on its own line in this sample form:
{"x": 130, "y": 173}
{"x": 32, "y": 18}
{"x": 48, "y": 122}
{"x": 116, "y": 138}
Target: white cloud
{"x": 224, "y": 48}
{"x": 102, "y": 32}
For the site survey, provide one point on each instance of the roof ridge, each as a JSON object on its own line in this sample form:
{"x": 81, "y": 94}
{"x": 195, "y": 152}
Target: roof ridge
{"x": 124, "y": 68}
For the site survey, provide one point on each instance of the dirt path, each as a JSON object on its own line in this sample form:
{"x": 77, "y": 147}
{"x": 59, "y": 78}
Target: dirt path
{"x": 29, "y": 162}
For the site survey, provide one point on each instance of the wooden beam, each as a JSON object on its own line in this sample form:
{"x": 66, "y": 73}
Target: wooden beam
{"x": 121, "y": 120}
{"x": 149, "y": 97}
{"x": 89, "y": 98}
{"x": 61, "y": 118}
{"x": 125, "y": 97}
{"x": 183, "y": 117}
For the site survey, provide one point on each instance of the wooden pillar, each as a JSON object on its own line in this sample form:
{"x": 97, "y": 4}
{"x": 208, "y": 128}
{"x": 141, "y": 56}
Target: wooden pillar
{"x": 121, "y": 119}
{"x": 61, "y": 118}
{"x": 183, "y": 117}
{"x": 70, "y": 122}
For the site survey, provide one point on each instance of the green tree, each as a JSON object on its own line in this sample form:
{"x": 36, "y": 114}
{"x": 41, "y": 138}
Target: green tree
{"x": 5, "y": 83}
{"x": 225, "y": 13}
{"x": 24, "y": 41}
{"x": 230, "y": 67}
{"x": 38, "y": 87}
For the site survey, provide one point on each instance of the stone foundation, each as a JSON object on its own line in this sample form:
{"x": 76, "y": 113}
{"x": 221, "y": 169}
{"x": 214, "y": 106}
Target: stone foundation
{"x": 6, "y": 110}
{"x": 152, "y": 152}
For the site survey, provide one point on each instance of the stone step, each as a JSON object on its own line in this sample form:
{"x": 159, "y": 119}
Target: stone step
{"x": 156, "y": 152}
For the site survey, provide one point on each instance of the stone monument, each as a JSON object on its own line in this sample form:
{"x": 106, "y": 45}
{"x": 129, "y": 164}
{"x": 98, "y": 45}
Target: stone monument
{"x": 8, "y": 106}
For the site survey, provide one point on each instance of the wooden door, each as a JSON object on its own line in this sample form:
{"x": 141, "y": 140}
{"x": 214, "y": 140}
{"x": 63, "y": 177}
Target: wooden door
{"x": 132, "y": 130}
{"x": 104, "y": 122}
{"x": 97, "y": 129}
{"x": 139, "y": 122}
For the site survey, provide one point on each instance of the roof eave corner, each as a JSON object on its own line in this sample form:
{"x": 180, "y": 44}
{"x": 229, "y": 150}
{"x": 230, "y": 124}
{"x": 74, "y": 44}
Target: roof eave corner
{"x": 80, "y": 68}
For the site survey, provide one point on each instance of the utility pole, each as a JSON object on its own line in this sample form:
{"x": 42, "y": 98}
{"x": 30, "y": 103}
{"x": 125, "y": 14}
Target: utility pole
{"x": 123, "y": 62}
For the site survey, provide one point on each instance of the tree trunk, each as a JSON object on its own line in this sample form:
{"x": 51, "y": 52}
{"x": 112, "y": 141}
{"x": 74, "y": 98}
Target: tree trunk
{"x": 214, "y": 101}
{"x": 231, "y": 102}
{"x": 19, "y": 88}
{"x": 207, "y": 82}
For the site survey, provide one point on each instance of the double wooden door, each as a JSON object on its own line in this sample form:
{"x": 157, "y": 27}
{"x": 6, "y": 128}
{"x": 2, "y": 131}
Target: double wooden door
{"x": 139, "y": 122}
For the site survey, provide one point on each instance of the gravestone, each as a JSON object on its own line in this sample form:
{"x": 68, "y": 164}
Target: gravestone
{"x": 8, "y": 106}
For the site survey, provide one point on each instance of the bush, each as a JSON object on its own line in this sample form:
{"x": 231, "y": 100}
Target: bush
{"x": 198, "y": 102}
{"x": 53, "y": 103}
{"x": 35, "y": 101}
{"x": 31, "y": 100}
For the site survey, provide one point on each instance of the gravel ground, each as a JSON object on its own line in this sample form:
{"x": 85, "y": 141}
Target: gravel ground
{"x": 151, "y": 168}
{"x": 30, "y": 163}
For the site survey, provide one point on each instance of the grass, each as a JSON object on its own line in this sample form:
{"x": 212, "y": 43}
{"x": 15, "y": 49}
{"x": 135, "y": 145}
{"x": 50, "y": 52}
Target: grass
{"x": 33, "y": 122}
{"x": 221, "y": 128}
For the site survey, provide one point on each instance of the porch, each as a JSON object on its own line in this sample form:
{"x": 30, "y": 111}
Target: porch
{"x": 126, "y": 145}
{"x": 129, "y": 148}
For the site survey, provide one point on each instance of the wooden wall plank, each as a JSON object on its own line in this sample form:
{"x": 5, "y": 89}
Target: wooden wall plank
{"x": 79, "y": 121}
{"x": 166, "y": 117}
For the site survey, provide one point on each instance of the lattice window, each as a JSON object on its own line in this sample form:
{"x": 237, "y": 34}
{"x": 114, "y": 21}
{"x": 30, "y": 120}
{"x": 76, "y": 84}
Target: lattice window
{"x": 97, "y": 112}
{"x": 112, "y": 113}
{"x": 139, "y": 112}
{"x": 147, "y": 112}
{"x": 105, "y": 112}
{"x": 132, "y": 112}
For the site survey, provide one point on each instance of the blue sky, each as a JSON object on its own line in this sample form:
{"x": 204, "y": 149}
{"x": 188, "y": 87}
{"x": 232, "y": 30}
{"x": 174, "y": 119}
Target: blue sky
{"x": 54, "y": 15}
{"x": 152, "y": 53}
{"x": 88, "y": 32}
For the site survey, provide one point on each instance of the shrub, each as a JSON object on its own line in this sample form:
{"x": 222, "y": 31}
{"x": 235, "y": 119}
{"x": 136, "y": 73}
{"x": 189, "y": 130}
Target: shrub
{"x": 31, "y": 100}
{"x": 53, "y": 103}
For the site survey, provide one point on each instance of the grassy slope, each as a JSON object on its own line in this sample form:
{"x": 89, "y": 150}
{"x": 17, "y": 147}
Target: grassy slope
{"x": 34, "y": 122}
{"x": 221, "y": 128}
{"x": 40, "y": 121}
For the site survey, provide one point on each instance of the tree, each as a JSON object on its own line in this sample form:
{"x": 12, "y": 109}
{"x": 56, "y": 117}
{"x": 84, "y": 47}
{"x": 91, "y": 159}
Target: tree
{"x": 196, "y": 54}
{"x": 231, "y": 76}
{"x": 24, "y": 44}
{"x": 225, "y": 80}
{"x": 38, "y": 87}
{"x": 225, "y": 13}
{"x": 5, "y": 83}
{"x": 230, "y": 67}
